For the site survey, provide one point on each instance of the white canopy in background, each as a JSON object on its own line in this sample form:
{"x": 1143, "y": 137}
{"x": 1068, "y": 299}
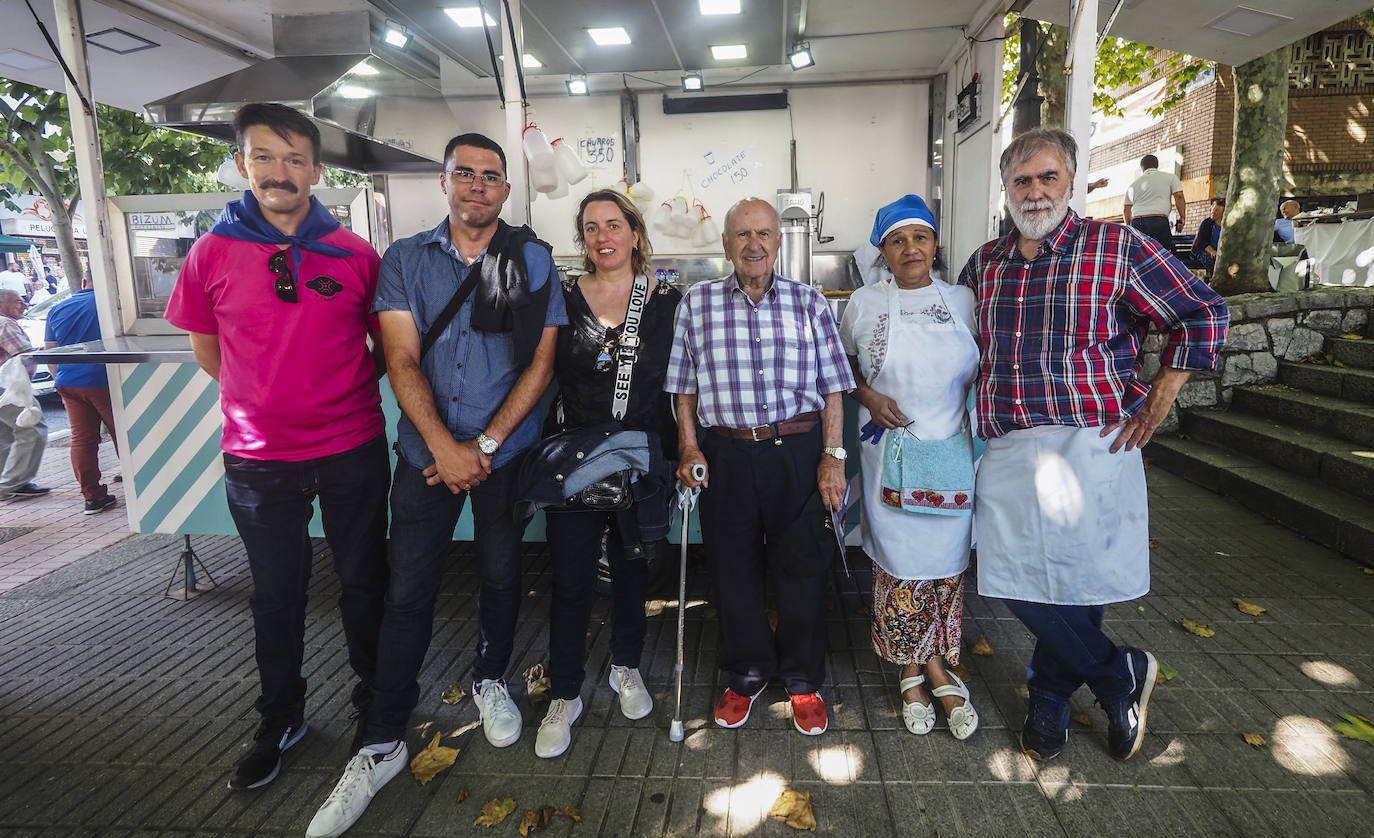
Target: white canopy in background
{"x": 1341, "y": 253}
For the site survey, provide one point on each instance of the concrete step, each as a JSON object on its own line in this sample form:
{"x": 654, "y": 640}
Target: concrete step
{"x": 1304, "y": 504}
{"x": 1335, "y": 462}
{"x": 1329, "y": 415}
{"x": 1348, "y": 383}
{"x": 1352, "y": 352}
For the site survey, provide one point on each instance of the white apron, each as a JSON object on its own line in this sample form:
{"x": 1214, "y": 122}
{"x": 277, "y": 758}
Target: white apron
{"x": 930, "y": 360}
{"x": 1061, "y": 519}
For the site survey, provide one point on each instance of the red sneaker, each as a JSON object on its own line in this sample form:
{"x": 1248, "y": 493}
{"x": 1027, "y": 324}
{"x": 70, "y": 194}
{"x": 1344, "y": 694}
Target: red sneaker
{"x": 808, "y": 714}
{"x": 733, "y": 709}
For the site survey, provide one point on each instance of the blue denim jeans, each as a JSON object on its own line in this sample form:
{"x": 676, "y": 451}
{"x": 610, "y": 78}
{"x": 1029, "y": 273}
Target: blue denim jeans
{"x": 422, "y": 522}
{"x": 270, "y": 502}
{"x": 575, "y": 546}
{"x": 1070, "y": 651}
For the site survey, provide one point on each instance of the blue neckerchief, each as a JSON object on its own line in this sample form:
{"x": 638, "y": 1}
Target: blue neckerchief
{"x": 244, "y": 220}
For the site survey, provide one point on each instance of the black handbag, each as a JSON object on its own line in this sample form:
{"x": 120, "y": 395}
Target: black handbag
{"x": 609, "y": 494}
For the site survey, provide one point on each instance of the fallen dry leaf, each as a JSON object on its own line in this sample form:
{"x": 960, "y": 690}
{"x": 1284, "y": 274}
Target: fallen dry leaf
{"x": 570, "y": 811}
{"x": 535, "y": 819}
{"x": 454, "y": 694}
{"x": 433, "y": 759}
{"x": 1352, "y": 336}
{"x": 1166, "y": 673}
{"x": 960, "y": 670}
{"x": 462, "y": 793}
{"x": 1249, "y": 607}
{"x": 1369, "y": 570}
{"x": 494, "y": 811}
{"x": 795, "y": 808}
{"x": 1356, "y": 727}
{"x": 1145, "y": 461}
{"x": 1083, "y": 719}
{"x": 981, "y": 647}
{"x": 1153, "y": 544}
{"x": 1254, "y": 739}
{"x": 537, "y": 684}
{"x": 772, "y": 619}
{"x": 1200, "y": 629}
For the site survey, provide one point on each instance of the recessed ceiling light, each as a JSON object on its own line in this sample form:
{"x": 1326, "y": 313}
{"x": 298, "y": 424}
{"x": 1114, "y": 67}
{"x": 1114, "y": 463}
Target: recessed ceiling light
{"x": 469, "y": 17}
{"x": 719, "y": 7}
{"x": 1248, "y": 22}
{"x": 353, "y": 91}
{"x": 118, "y": 41}
{"x": 692, "y": 82}
{"x": 362, "y": 68}
{"x": 20, "y": 60}
{"x": 396, "y": 35}
{"x": 577, "y": 85}
{"x": 730, "y": 52}
{"x": 526, "y": 60}
{"x": 614, "y": 36}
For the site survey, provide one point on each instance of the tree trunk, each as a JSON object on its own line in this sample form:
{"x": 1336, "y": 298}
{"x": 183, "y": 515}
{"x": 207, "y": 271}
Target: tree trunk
{"x": 1049, "y": 63}
{"x": 39, "y": 167}
{"x": 1027, "y": 113}
{"x": 1252, "y": 195}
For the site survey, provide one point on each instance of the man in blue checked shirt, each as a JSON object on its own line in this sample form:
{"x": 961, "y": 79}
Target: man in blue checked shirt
{"x": 757, "y": 362}
{"x": 1062, "y": 523}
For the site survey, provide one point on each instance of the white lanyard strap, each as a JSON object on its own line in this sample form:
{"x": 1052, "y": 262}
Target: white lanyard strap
{"x": 629, "y": 347}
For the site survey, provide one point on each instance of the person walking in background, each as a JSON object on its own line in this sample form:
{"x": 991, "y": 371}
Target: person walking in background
{"x": 21, "y": 445}
{"x": 1146, "y": 205}
{"x": 85, "y": 392}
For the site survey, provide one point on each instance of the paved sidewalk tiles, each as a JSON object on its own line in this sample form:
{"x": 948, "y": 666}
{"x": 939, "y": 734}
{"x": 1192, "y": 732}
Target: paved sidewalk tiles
{"x": 123, "y": 712}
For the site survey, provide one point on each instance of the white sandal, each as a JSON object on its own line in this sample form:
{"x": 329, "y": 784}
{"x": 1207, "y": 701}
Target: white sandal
{"x": 919, "y": 718}
{"x": 963, "y": 720}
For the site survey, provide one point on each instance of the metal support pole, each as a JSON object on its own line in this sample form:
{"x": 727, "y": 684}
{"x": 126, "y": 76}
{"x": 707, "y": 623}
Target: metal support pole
{"x": 1028, "y": 101}
{"x": 90, "y": 167}
{"x": 1078, "y": 110}
{"x": 518, "y": 205}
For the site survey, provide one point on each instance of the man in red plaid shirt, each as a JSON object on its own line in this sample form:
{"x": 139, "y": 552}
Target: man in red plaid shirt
{"x": 1062, "y": 524}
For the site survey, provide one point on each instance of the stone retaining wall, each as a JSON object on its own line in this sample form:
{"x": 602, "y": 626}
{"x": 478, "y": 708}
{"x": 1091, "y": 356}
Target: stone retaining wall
{"x": 1265, "y": 329}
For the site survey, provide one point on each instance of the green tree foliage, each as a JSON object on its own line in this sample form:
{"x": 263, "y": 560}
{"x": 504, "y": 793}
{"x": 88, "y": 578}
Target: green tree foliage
{"x": 36, "y": 145}
{"x": 1120, "y": 63}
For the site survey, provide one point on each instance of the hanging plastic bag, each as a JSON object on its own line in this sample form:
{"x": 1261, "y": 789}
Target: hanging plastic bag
{"x": 706, "y": 232}
{"x": 569, "y": 166}
{"x": 543, "y": 180}
{"x": 642, "y": 195}
{"x": 537, "y": 148}
{"x": 18, "y": 391}
{"x": 663, "y": 216}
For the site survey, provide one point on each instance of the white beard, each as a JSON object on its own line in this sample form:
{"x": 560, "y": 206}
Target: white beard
{"x": 1042, "y": 224}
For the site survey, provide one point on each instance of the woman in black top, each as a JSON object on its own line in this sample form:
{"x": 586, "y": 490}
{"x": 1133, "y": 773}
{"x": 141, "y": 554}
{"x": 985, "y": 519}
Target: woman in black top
{"x": 615, "y": 244}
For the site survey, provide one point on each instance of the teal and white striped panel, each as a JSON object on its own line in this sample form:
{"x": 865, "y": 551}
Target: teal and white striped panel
{"x": 172, "y": 426}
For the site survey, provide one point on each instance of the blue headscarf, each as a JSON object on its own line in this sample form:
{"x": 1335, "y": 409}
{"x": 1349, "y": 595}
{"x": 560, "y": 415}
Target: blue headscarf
{"x": 908, "y": 209}
{"x": 243, "y": 220}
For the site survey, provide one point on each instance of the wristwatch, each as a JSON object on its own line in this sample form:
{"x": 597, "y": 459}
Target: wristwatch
{"x": 487, "y": 445}
{"x": 837, "y": 453}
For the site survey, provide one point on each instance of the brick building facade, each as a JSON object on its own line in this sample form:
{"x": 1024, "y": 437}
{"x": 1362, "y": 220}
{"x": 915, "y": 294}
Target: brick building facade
{"x": 1328, "y": 150}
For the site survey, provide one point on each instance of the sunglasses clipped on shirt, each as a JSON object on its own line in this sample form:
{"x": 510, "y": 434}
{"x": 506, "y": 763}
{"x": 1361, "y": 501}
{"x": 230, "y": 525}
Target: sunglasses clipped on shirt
{"x": 279, "y": 263}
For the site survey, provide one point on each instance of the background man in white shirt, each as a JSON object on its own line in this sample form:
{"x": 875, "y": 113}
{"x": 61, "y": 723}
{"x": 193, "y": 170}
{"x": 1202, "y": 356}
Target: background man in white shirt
{"x": 1146, "y": 206}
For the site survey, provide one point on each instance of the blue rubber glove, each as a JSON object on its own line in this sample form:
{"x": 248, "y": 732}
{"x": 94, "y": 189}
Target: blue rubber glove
{"x": 870, "y": 433}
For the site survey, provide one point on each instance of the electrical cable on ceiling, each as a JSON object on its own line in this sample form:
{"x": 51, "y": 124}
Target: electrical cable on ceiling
{"x": 491, "y": 50}
{"x": 80, "y": 94}
{"x": 517, "y": 58}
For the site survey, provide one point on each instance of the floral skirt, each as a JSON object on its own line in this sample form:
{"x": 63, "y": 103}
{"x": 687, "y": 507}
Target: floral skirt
{"x": 916, "y": 619}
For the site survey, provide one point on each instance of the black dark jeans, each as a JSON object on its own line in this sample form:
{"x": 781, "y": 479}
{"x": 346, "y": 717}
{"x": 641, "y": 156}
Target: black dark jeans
{"x": 270, "y": 501}
{"x": 1156, "y": 227}
{"x": 575, "y": 545}
{"x": 1070, "y": 650}
{"x": 757, "y": 490}
{"x": 422, "y": 522}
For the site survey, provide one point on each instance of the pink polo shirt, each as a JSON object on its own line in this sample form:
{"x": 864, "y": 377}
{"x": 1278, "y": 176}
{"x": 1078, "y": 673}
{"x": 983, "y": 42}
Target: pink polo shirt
{"x": 296, "y": 379}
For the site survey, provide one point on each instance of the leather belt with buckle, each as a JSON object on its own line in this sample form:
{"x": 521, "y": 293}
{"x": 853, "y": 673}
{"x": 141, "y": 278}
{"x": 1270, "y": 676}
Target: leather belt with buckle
{"x": 799, "y": 424}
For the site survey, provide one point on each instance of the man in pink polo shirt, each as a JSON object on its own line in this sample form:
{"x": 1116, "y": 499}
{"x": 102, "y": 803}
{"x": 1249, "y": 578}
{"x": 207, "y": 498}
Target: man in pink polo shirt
{"x": 276, "y": 298}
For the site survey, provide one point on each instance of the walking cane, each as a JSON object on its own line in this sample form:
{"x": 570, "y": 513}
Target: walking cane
{"x": 685, "y": 499}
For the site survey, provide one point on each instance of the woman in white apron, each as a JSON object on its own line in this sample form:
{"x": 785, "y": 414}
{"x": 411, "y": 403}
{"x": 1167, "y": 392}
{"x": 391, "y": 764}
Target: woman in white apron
{"x": 911, "y": 344}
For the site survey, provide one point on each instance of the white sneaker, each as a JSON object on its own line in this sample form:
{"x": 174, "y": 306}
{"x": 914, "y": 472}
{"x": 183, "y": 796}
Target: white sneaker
{"x": 363, "y": 777}
{"x": 555, "y": 732}
{"x": 635, "y": 701}
{"x": 501, "y": 719}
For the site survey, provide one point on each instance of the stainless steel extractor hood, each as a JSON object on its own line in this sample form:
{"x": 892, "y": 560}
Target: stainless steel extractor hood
{"x": 367, "y": 99}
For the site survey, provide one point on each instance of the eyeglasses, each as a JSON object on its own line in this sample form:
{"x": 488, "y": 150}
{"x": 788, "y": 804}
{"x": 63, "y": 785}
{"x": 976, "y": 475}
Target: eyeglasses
{"x": 468, "y": 176}
{"x": 285, "y": 286}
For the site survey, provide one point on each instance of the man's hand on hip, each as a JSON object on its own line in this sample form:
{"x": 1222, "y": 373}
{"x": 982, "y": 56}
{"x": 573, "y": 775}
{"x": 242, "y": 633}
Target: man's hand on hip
{"x": 458, "y": 465}
{"x": 1137, "y": 430}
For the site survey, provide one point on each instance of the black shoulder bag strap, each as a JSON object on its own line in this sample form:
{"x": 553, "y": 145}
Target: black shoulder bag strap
{"x": 451, "y": 308}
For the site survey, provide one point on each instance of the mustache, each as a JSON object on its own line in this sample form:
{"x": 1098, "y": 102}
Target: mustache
{"x": 1032, "y": 206}
{"x": 278, "y": 184}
